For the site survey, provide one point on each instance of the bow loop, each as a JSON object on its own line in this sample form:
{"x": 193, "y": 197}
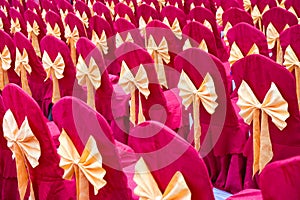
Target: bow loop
{"x": 15, "y": 26}
{"x": 22, "y": 59}
{"x": 53, "y": 31}
{"x": 100, "y": 42}
{"x": 5, "y": 59}
{"x": 33, "y": 29}
{"x": 236, "y": 54}
{"x": 175, "y": 27}
{"x": 120, "y": 41}
{"x": 83, "y": 17}
{"x": 71, "y": 35}
{"x": 219, "y": 14}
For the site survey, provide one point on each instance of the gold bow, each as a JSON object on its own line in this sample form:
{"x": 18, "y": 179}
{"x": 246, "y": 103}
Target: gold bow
{"x": 143, "y": 24}
{"x": 120, "y": 41}
{"x": 111, "y": 8}
{"x": 227, "y": 27}
{"x": 161, "y": 4}
{"x": 292, "y": 62}
{"x": 257, "y": 16}
{"x": 25, "y": 148}
{"x": 202, "y": 45}
{"x": 292, "y": 10}
{"x": 175, "y": 27}
{"x": 205, "y": 94}
{"x": 87, "y": 167}
{"x": 72, "y": 38}
{"x": 5, "y": 62}
{"x": 219, "y": 14}
{"x": 33, "y": 32}
{"x": 55, "y": 70}
{"x": 55, "y": 31}
{"x": 101, "y": 42}
{"x": 274, "y": 106}
{"x": 247, "y": 5}
{"x": 89, "y": 76}
{"x": 147, "y": 188}
{"x": 160, "y": 54}
{"x": 1, "y": 25}
{"x": 22, "y": 67}
{"x": 84, "y": 18}
{"x": 15, "y": 26}
{"x": 207, "y": 25}
{"x": 129, "y": 83}
{"x": 236, "y": 54}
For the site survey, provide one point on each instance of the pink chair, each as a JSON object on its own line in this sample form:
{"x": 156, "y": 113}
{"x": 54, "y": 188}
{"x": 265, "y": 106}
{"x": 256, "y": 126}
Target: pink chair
{"x": 124, "y": 11}
{"x": 293, "y": 6}
{"x": 83, "y": 12}
{"x": 17, "y": 22}
{"x": 18, "y": 6}
{"x": 55, "y": 26}
{"x": 100, "y": 9}
{"x": 147, "y": 13}
{"x": 177, "y": 3}
{"x": 47, "y": 5}
{"x": 4, "y": 22}
{"x": 154, "y": 4}
{"x": 191, "y": 4}
{"x": 34, "y": 7}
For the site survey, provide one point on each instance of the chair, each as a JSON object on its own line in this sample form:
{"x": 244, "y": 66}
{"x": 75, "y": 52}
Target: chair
{"x": 259, "y": 7}
{"x": 124, "y": 11}
{"x": 294, "y": 7}
{"x": 100, "y": 9}
{"x": 55, "y": 26}
{"x": 17, "y": 22}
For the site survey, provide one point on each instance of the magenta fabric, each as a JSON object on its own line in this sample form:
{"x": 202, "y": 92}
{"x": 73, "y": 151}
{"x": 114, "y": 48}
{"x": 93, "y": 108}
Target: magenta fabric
{"x": 153, "y": 2}
{"x": 34, "y": 6}
{"x": 279, "y": 180}
{"x": 227, "y": 4}
{"x": 5, "y": 21}
{"x": 293, "y": 3}
{"x": 13, "y": 13}
{"x": 146, "y": 12}
{"x": 80, "y": 121}
{"x": 72, "y": 20}
{"x": 198, "y": 3}
{"x": 100, "y": 8}
{"x": 237, "y": 34}
{"x": 53, "y": 18}
{"x": 47, "y": 5}
{"x": 235, "y": 16}
{"x": 65, "y": 5}
{"x": 259, "y": 71}
{"x": 261, "y": 4}
{"x": 30, "y": 17}
{"x": 18, "y": 6}
{"x": 165, "y": 153}
{"x": 174, "y": 2}
{"x": 48, "y": 185}
{"x": 122, "y": 9}
{"x": 172, "y": 13}
{"x": 248, "y": 194}
{"x": 289, "y": 37}
{"x": 82, "y": 7}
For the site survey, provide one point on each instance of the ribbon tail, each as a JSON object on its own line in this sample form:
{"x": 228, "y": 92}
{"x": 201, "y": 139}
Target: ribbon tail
{"x": 35, "y": 44}
{"x": 256, "y": 141}
{"x": 297, "y": 76}
{"x": 279, "y": 52}
{"x": 132, "y": 107}
{"x": 55, "y": 91}
{"x": 160, "y": 70}
{"x": 24, "y": 80}
{"x": 22, "y": 173}
{"x": 141, "y": 117}
{"x": 2, "y": 84}
{"x": 5, "y": 77}
{"x": 90, "y": 94}
{"x": 197, "y": 126}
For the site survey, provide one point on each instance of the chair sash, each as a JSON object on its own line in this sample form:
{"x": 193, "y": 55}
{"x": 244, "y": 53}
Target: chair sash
{"x": 236, "y": 54}
{"x": 22, "y": 67}
{"x": 33, "y": 33}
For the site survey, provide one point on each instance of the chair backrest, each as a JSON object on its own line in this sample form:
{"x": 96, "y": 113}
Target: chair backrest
{"x": 54, "y": 19}
{"x": 124, "y": 11}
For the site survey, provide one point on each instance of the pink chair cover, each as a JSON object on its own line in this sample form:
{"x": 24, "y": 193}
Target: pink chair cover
{"x": 81, "y": 7}
{"x": 100, "y": 8}
{"x": 287, "y": 38}
{"x": 235, "y": 16}
{"x": 72, "y": 20}
{"x": 227, "y": 4}
{"x": 30, "y": 17}
{"x": 172, "y": 13}
{"x": 177, "y": 3}
{"x": 80, "y": 121}
{"x": 14, "y": 14}
{"x": 47, "y": 5}
{"x": 152, "y": 2}
{"x": 34, "y": 6}
{"x": 293, "y": 3}
{"x": 122, "y": 9}
{"x": 158, "y": 141}
{"x": 65, "y": 5}
{"x": 18, "y": 6}
{"x": 53, "y": 18}
{"x": 146, "y": 12}
{"x": 261, "y": 4}
{"x": 209, "y": 4}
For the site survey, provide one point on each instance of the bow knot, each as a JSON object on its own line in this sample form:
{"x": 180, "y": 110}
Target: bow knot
{"x": 33, "y": 29}
{"x": 53, "y": 31}
{"x": 22, "y": 60}
{"x": 236, "y": 54}
{"x": 120, "y": 41}
{"x": 175, "y": 27}
{"x": 15, "y": 26}
{"x": 71, "y": 36}
{"x": 100, "y": 42}
{"x": 257, "y": 15}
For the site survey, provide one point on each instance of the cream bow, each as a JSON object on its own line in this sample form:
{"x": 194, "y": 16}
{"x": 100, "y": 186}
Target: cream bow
{"x": 120, "y": 41}
{"x": 292, "y": 10}
{"x": 25, "y": 148}
{"x": 72, "y": 38}
{"x": 257, "y": 16}
{"x": 160, "y": 54}
{"x": 227, "y": 27}
{"x": 89, "y": 76}
{"x": 15, "y": 26}
{"x": 101, "y": 42}
{"x": 55, "y": 70}
{"x": 3, "y": 8}
{"x": 22, "y": 67}
{"x": 147, "y": 188}
{"x": 33, "y": 32}
{"x": 202, "y": 45}
{"x": 84, "y": 18}
{"x": 1, "y": 25}
{"x": 161, "y": 4}
{"x": 87, "y": 167}
{"x": 219, "y": 14}
{"x": 55, "y": 31}
{"x": 129, "y": 83}
{"x": 5, "y": 64}
{"x": 125, "y": 17}
{"x": 274, "y": 106}
{"x": 247, "y": 5}
{"x": 292, "y": 62}
{"x": 143, "y": 24}
{"x": 236, "y": 54}
{"x": 175, "y": 27}
{"x": 205, "y": 94}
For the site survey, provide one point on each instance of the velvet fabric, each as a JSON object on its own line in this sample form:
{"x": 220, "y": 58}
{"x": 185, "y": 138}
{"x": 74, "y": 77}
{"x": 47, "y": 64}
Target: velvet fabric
{"x": 122, "y": 9}
{"x": 100, "y": 8}
{"x": 5, "y": 21}
{"x": 235, "y": 16}
{"x": 14, "y": 14}
{"x": 146, "y": 12}
{"x": 53, "y": 18}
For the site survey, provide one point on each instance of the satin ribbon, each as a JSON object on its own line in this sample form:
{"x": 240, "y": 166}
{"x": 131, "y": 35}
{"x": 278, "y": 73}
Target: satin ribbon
{"x": 25, "y": 148}
{"x": 236, "y": 54}
{"x": 120, "y": 41}
{"x": 63, "y": 15}
{"x": 175, "y": 27}
{"x": 111, "y": 8}
{"x": 272, "y": 39}
{"x": 280, "y": 4}
{"x": 5, "y": 64}
{"x": 53, "y": 31}
{"x": 130, "y": 83}
{"x": 147, "y": 188}
{"x": 292, "y": 10}
{"x": 160, "y": 54}
{"x": 84, "y": 18}
{"x": 227, "y": 27}
{"x": 15, "y": 26}
{"x": 257, "y": 16}
{"x": 87, "y": 167}
{"x": 55, "y": 70}
{"x": 125, "y": 17}
{"x": 101, "y": 42}
{"x": 291, "y": 62}
{"x": 208, "y": 25}
{"x": 72, "y": 38}
{"x": 33, "y": 32}
{"x": 206, "y": 94}
{"x": 90, "y": 77}
{"x": 247, "y": 5}
{"x": 202, "y": 45}
{"x": 161, "y": 4}
{"x": 1, "y": 25}
{"x": 3, "y": 8}
{"x": 274, "y": 106}
{"x": 219, "y": 14}
{"x": 143, "y": 24}
{"x": 22, "y": 67}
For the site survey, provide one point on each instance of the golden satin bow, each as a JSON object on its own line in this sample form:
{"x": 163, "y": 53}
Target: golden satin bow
{"x": 292, "y": 10}
{"x": 15, "y": 26}
{"x": 292, "y": 62}
{"x": 236, "y": 54}
{"x": 227, "y": 27}
{"x": 101, "y": 42}
{"x": 22, "y": 67}
{"x": 120, "y": 41}
{"x": 90, "y": 77}
{"x": 257, "y": 16}
{"x": 160, "y": 54}
{"x": 247, "y": 5}
{"x": 25, "y": 148}
{"x": 274, "y": 106}
{"x": 219, "y": 14}
{"x": 272, "y": 39}
{"x": 175, "y": 27}
{"x": 207, "y": 25}
{"x": 147, "y": 188}
{"x": 125, "y": 17}
{"x": 143, "y": 24}
{"x": 53, "y": 31}
{"x": 202, "y": 45}
{"x": 72, "y": 38}
{"x": 129, "y": 83}
{"x": 5, "y": 64}
{"x": 55, "y": 70}
{"x": 206, "y": 94}
{"x": 84, "y": 18}
{"x": 3, "y": 8}
{"x": 87, "y": 167}
{"x": 33, "y": 32}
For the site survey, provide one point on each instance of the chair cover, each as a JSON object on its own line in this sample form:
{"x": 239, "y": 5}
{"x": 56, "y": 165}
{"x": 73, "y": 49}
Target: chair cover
{"x": 47, "y": 5}
{"x": 177, "y": 3}
{"x": 17, "y": 21}
{"x": 158, "y": 141}
{"x": 100, "y": 9}
{"x": 55, "y": 26}
{"x": 293, "y": 6}
{"x": 147, "y": 13}
{"x": 259, "y": 7}
{"x": 191, "y": 4}
{"x": 18, "y": 5}
{"x": 4, "y": 22}
{"x": 154, "y": 4}
{"x": 33, "y": 6}
{"x": 124, "y": 11}
{"x": 5, "y": 7}
{"x": 80, "y": 121}
{"x": 247, "y": 194}
{"x": 64, "y": 6}
{"x": 47, "y": 176}
{"x": 83, "y": 13}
